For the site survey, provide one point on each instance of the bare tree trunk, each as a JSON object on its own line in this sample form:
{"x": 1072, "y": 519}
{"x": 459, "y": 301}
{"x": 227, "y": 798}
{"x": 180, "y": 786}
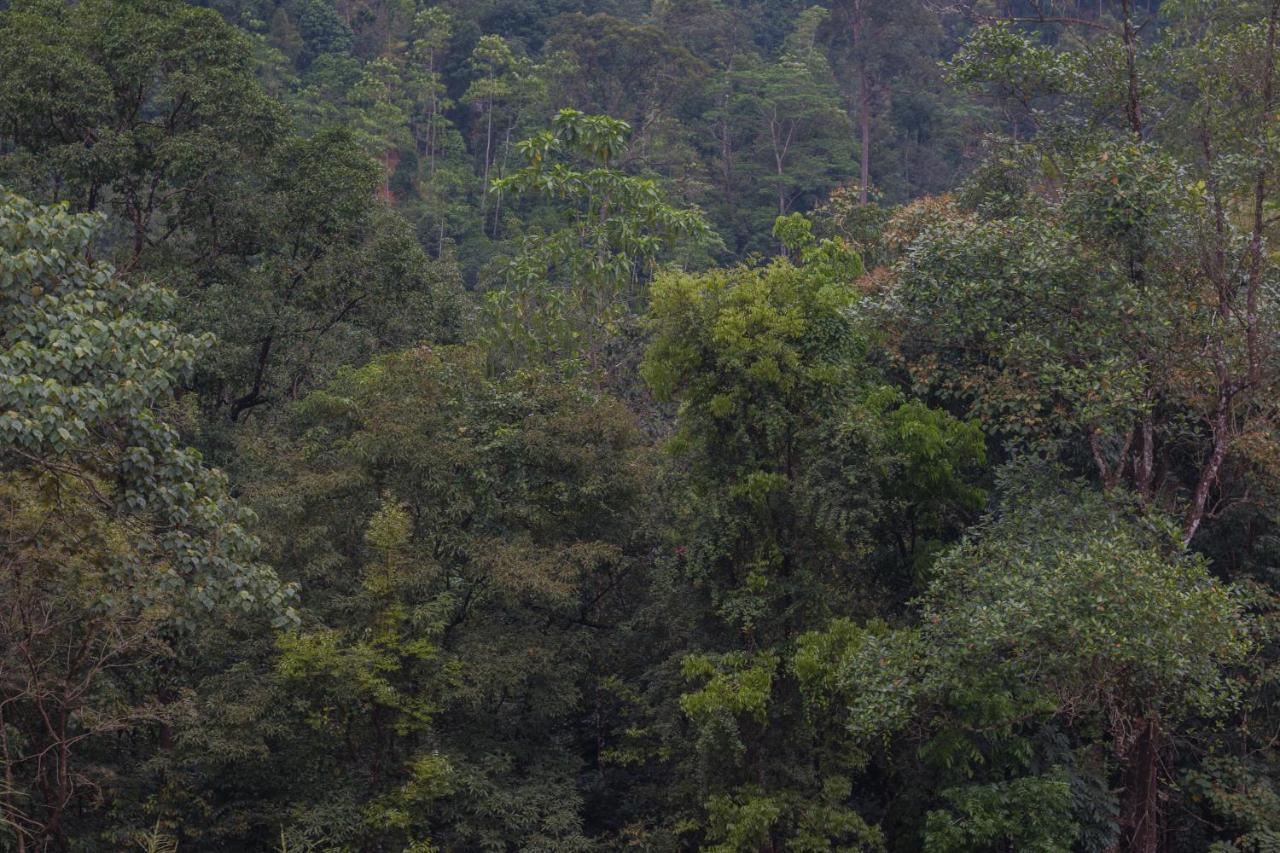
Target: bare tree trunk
{"x": 488, "y": 150}
{"x": 1209, "y": 474}
{"x": 1144, "y": 463}
{"x": 1253, "y": 342}
{"x": 1140, "y": 806}
{"x": 864, "y": 120}
{"x": 864, "y": 104}
{"x": 1229, "y": 385}
{"x": 782, "y": 187}
{"x": 7, "y": 807}
{"x": 1133, "y": 104}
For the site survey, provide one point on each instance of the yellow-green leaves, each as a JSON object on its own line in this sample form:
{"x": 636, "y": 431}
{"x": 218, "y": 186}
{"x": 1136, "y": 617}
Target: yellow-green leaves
{"x": 736, "y": 684}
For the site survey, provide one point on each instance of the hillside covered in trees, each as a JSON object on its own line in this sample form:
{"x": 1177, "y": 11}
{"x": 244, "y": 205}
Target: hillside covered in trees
{"x": 749, "y": 426}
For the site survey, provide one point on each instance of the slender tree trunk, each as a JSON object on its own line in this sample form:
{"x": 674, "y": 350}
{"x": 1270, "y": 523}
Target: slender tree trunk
{"x": 1253, "y": 341}
{"x": 864, "y": 105}
{"x": 1209, "y": 474}
{"x": 1230, "y": 385}
{"x": 782, "y": 185}
{"x": 502, "y": 171}
{"x": 1144, "y": 463}
{"x": 864, "y": 121}
{"x": 7, "y": 807}
{"x": 431, "y": 119}
{"x": 488, "y": 151}
{"x": 1133, "y": 105}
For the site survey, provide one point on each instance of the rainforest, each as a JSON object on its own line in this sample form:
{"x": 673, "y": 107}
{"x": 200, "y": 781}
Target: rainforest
{"x": 568, "y": 426}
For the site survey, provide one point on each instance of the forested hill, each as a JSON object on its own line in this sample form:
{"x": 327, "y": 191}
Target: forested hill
{"x": 749, "y": 110}
{"x": 750, "y": 426}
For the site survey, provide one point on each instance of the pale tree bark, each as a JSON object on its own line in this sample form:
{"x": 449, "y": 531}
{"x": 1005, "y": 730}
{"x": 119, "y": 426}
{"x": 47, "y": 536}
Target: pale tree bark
{"x": 1235, "y": 389}
{"x": 858, "y": 13}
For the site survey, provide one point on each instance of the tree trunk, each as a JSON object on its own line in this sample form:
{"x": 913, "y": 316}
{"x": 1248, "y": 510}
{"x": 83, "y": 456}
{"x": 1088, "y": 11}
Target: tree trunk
{"x": 864, "y": 106}
{"x": 1140, "y": 804}
{"x": 1133, "y": 105}
{"x": 1221, "y": 428}
{"x": 488, "y": 150}
{"x": 864, "y": 119}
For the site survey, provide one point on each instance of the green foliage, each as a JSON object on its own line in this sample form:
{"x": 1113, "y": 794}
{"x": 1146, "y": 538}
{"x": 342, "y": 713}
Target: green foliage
{"x": 1012, "y": 61}
{"x": 156, "y": 841}
{"x": 320, "y": 273}
{"x": 749, "y": 820}
{"x": 451, "y": 648}
{"x": 1032, "y": 813}
{"x": 147, "y": 109}
{"x": 115, "y": 537}
{"x": 1094, "y": 611}
{"x": 785, "y": 117}
{"x": 615, "y": 535}
{"x": 1061, "y": 614}
{"x": 1248, "y": 801}
{"x": 738, "y": 686}
{"x": 83, "y": 370}
{"x": 568, "y": 287}
{"x": 747, "y": 351}
{"x": 782, "y": 441}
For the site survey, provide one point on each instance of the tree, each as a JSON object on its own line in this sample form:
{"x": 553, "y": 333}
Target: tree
{"x": 635, "y": 72}
{"x": 885, "y": 44}
{"x": 569, "y": 286}
{"x": 432, "y": 30}
{"x": 433, "y": 133}
{"x": 783, "y": 118}
{"x": 1061, "y": 631}
{"x": 504, "y": 85}
{"x": 148, "y": 110}
{"x": 317, "y": 270}
{"x": 781, "y": 435}
{"x": 381, "y": 119}
{"x": 1162, "y": 288}
{"x": 485, "y": 532}
{"x": 112, "y": 530}
{"x": 276, "y": 244}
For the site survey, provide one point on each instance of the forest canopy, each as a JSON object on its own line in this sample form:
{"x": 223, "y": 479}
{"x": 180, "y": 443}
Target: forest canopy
{"x": 750, "y": 426}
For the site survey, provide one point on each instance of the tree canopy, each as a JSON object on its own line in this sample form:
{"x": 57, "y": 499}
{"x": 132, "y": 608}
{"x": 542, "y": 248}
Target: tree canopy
{"x": 586, "y": 425}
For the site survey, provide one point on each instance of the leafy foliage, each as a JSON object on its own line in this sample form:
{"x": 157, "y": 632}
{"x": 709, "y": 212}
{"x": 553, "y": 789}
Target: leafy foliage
{"x": 115, "y": 535}
{"x": 644, "y": 458}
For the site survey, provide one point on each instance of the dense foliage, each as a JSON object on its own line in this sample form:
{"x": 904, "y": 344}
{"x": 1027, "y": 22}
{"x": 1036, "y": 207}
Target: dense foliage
{"x": 578, "y": 425}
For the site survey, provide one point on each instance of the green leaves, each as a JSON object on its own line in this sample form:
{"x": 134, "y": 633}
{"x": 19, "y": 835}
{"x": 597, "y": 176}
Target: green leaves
{"x": 1067, "y": 593}
{"x": 745, "y": 351}
{"x": 736, "y": 685}
{"x": 470, "y": 538}
{"x": 1032, "y": 813}
{"x": 569, "y": 288}
{"x": 1059, "y": 618}
{"x": 146, "y": 108}
{"x": 1001, "y": 56}
{"x": 82, "y": 369}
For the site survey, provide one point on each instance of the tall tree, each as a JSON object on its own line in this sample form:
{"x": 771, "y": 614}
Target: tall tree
{"x": 568, "y": 286}
{"x": 779, "y": 419}
{"x": 149, "y": 111}
{"x": 1058, "y": 647}
{"x": 783, "y": 118}
{"x": 114, "y": 535}
{"x": 485, "y": 530}
{"x": 888, "y": 46}
{"x": 1170, "y": 284}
